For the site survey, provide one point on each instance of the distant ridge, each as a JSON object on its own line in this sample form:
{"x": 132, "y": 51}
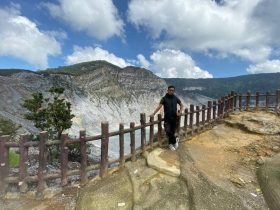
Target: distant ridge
{"x": 9, "y": 72}
{"x": 213, "y": 88}
{"x": 79, "y": 68}
{"x": 217, "y": 87}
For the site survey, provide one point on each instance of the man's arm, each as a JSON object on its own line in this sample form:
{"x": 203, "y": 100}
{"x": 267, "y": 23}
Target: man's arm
{"x": 157, "y": 109}
{"x": 181, "y": 108}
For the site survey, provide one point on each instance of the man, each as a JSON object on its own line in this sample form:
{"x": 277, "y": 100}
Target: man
{"x": 169, "y": 103}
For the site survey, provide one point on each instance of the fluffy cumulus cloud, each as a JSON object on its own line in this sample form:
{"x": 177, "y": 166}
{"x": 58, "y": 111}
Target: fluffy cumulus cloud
{"x": 21, "y": 38}
{"x": 247, "y": 29}
{"x": 169, "y": 63}
{"x": 270, "y": 66}
{"x": 142, "y": 61}
{"x": 91, "y": 54}
{"x": 99, "y": 19}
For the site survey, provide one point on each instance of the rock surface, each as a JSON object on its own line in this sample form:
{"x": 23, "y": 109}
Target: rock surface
{"x": 269, "y": 179}
{"x": 135, "y": 187}
{"x": 256, "y": 122}
{"x": 165, "y": 161}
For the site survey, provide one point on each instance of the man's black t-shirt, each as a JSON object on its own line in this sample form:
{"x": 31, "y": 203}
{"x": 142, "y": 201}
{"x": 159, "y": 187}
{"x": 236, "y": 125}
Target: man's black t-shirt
{"x": 169, "y": 103}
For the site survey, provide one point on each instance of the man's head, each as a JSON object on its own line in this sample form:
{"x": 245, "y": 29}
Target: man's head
{"x": 171, "y": 90}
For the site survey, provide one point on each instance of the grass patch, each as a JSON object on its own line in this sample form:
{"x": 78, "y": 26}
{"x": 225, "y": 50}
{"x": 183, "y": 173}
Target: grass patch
{"x": 13, "y": 159}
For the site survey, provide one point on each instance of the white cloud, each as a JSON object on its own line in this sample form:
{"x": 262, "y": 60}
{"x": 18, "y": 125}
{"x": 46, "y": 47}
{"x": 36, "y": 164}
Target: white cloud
{"x": 142, "y": 61}
{"x": 176, "y": 64}
{"x": 21, "y": 38}
{"x": 91, "y": 54}
{"x": 234, "y": 27}
{"x": 99, "y": 19}
{"x": 270, "y": 66}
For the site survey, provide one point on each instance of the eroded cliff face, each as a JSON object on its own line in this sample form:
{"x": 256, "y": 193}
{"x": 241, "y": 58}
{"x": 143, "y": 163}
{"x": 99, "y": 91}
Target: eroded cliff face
{"x": 106, "y": 93}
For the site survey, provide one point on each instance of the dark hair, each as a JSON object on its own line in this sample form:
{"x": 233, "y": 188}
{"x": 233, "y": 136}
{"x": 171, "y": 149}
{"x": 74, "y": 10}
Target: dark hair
{"x": 171, "y": 86}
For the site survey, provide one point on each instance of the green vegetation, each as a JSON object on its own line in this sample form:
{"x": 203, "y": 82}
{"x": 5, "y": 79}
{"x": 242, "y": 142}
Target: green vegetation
{"x": 49, "y": 114}
{"x": 78, "y": 69}
{"x": 216, "y": 88}
{"x": 7, "y": 127}
{"x": 13, "y": 159}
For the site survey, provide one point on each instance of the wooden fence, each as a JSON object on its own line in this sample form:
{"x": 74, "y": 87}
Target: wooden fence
{"x": 195, "y": 119}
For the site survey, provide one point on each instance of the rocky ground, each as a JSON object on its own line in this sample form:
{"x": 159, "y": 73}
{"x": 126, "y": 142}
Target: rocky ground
{"x": 214, "y": 170}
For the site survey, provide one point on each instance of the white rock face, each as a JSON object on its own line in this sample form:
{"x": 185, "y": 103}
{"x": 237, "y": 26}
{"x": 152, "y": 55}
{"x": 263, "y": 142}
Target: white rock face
{"x": 106, "y": 93}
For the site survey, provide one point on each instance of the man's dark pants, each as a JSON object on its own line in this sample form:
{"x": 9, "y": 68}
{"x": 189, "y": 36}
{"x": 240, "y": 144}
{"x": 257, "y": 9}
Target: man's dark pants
{"x": 170, "y": 129}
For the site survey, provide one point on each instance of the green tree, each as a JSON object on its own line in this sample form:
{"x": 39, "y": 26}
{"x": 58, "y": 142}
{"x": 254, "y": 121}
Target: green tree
{"x": 7, "y": 127}
{"x": 51, "y": 114}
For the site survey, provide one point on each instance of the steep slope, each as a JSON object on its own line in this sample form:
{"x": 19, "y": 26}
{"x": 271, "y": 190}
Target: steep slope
{"x": 98, "y": 91}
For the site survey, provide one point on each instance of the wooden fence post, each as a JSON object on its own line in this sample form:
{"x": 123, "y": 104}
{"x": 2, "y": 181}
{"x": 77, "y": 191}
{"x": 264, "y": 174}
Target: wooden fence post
{"x": 266, "y": 101}
{"x": 248, "y": 99}
{"x": 121, "y": 143}
{"x": 186, "y": 122}
{"x": 191, "y": 117}
{"x": 232, "y": 101}
{"x": 42, "y": 164}
{"x": 277, "y": 98}
{"x": 64, "y": 158}
{"x": 151, "y": 140}
{"x": 197, "y": 118}
{"x": 219, "y": 108}
{"x": 104, "y": 149}
{"x": 159, "y": 130}
{"x": 214, "y": 110}
{"x": 257, "y": 101}
{"x": 84, "y": 158}
{"x": 235, "y": 101}
{"x": 226, "y": 106}
{"x": 143, "y": 132}
{"x": 132, "y": 142}
{"x": 23, "y": 161}
{"x": 178, "y": 124}
{"x": 240, "y": 102}
{"x": 4, "y": 164}
{"x": 203, "y": 116}
{"x": 209, "y": 110}
{"x": 222, "y": 106}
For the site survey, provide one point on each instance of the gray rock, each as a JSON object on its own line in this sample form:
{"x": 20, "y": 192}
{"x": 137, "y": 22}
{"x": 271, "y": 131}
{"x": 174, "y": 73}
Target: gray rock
{"x": 276, "y": 149}
{"x": 165, "y": 161}
{"x": 261, "y": 160}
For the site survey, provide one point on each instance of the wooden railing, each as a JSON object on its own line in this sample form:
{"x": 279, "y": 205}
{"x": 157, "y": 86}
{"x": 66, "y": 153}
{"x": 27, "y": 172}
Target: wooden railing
{"x": 195, "y": 119}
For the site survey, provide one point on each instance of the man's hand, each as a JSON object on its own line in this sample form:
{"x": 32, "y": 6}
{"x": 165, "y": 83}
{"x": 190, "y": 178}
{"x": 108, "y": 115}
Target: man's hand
{"x": 179, "y": 113}
{"x": 152, "y": 115}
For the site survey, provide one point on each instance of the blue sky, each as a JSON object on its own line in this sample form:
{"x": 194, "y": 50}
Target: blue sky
{"x": 173, "y": 38}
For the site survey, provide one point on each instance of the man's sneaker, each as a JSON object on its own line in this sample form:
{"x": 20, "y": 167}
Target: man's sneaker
{"x": 176, "y": 145}
{"x": 171, "y": 147}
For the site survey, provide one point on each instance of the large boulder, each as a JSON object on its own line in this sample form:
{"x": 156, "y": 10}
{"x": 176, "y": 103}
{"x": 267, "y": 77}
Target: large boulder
{"x": 155, "y": 190}
{"x": 269, "y": 179}
{"x": 165, "y": 161}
